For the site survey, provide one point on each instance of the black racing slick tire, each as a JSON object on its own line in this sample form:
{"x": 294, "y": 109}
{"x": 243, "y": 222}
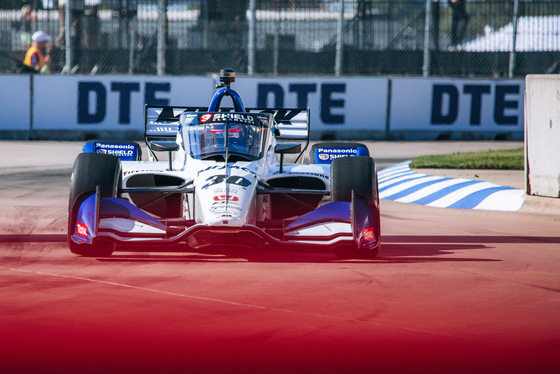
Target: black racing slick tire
{"x": 353, "y": 174}
{"x": 333, "y": 145}
{"x": 356, "y": 174}
{"x": 90, "y": 171}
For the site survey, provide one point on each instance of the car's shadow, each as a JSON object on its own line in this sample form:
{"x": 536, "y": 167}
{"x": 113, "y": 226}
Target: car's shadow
{"x": 394, "y": 249}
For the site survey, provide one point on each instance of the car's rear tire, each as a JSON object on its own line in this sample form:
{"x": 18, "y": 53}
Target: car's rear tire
{"x": 356, "y": 174}
{"x": 92, "y": 170}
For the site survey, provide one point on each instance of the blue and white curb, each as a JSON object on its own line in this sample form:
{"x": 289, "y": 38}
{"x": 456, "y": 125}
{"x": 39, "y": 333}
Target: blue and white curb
{"x": 400, "y": 183}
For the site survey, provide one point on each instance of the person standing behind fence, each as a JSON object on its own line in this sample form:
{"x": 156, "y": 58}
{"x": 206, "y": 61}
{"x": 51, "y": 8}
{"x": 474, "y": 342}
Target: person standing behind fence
{"x": 28, "y": 16}
{"x": 37, "y": 56}
{"x": 459, "y": 21}
{"x": 92, "y": 24}
{"x": 77, "y": 11}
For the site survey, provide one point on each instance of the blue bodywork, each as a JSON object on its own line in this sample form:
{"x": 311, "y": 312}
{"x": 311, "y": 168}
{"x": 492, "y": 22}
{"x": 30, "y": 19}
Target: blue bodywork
{"x": 86, "y": 224}
{"x": 337, "y": 211}
{"x": 219, "y": 95}
{"x": 358, "y": 212}
{"x": 94, "y": 208}
{"x": 365, "y": 223}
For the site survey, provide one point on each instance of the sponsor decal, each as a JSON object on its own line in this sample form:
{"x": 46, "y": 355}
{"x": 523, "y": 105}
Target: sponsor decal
{"x": 189, "y": 118}
{"x": 94, "y": 98}
{"x": 244, "y": 118}
{"x": 228, "y": 189}
{"x": 367, "y": 234}
{"x": 237, "y": 180}
{"x": 160, "y": 129}
{"x": 225, "y": 198}
{"x": 332, "y": 157}
{"x": 326, "y": 155}
{"x": 221, "y": 208}
{"x": 506, "y": 102}
{"x": 338, "y": 150}
{"x": 147, "y": 171}
{"x": 81, "y": 230}
{"x": 124, "y": 151}
{"x": 223, "y": 167}
{"x": 114, "y": 146}
{"x": 118, "y": 153}
{"x": 205, "y": 117}
{"x": 332, "y": 97}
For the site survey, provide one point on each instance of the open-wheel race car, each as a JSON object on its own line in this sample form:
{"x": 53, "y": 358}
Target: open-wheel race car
{"x": 225, "y": 181}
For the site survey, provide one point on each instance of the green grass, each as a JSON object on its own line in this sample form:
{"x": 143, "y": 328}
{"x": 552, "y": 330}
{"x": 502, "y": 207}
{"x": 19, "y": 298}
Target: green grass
{"x": 509, "y": 159}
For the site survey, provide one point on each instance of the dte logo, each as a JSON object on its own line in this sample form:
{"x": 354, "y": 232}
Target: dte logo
{"x": 446, "y": 99}
{"x": 332, "y": 98}
{"x": 92, "y": 99}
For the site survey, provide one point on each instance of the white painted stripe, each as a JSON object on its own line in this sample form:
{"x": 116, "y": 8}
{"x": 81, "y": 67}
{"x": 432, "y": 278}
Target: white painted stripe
{"x": 401, "y": 166}
{"x": 407, "y": 184}
{"x": 395, "y": 168}
{"x": 506, "y": 200}
{"x": 461, "y": 193}
{"x": 426, "y": 191}
{"x": 400, "y": 177}
{"x": 395, "y": 174}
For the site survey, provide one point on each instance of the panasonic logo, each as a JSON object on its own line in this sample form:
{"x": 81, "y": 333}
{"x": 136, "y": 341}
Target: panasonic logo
{"x": 114, "y": 146}
{"x": 337, "y": 150}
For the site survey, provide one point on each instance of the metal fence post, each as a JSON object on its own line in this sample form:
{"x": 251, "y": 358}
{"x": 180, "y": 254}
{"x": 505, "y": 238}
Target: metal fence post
{"x": 132, "y": 37}
{"x": 251, "y": 48}
{"x": 68, "y": 38}
{"x": 162, "y": 31}
{"x": 511, "y": 70}
{"x": 339, "y": 40}
{"x": 427, "y": 35}
{"x": 276, "y": 45}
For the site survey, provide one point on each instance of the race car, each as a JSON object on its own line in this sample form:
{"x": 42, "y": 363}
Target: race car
{"x": 224, "y": 180}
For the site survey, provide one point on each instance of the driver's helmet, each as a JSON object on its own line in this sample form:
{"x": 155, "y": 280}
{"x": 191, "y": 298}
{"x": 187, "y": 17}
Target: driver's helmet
{"x": 235, "y": 130}
{"x": 238, "y": 137}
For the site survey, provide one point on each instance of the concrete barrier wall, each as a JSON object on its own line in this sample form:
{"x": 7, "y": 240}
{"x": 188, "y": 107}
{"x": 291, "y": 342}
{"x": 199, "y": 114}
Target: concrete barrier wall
{"x": 375, "y": 108}
{"x": 542, "y": 135}
{"x": 15, "y": 106}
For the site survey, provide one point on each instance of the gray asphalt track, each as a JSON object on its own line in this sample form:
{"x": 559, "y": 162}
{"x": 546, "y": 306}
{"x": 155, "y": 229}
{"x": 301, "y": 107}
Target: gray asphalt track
{"x": 451, "y": 291}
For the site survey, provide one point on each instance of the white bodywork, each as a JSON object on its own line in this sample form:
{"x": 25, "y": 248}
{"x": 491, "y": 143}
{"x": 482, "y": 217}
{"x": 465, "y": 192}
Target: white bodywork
{"x": 224, "y": 193}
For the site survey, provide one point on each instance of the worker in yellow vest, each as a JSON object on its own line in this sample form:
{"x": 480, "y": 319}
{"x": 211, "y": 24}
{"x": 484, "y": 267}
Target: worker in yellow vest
{"x": 37, "y": 56}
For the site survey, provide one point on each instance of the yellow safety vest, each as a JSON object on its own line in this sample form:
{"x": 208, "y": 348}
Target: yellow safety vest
{"x": 30, "y": 52}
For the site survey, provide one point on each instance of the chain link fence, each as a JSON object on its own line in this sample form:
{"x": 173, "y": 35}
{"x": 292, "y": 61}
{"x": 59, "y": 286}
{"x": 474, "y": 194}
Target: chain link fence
{"x": 456, "y": 38}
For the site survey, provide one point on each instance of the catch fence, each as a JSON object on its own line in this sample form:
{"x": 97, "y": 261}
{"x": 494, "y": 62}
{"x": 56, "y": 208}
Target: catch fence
{"x": 472, "y": 38}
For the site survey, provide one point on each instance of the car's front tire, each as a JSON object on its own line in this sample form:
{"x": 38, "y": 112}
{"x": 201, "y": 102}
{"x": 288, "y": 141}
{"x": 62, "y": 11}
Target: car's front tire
{"x": 356, "y": 174}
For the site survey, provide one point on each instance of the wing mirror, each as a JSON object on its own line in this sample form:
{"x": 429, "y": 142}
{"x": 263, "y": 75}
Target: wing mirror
{"x": 163, "y": 146}
{"x": 283, "y": 148}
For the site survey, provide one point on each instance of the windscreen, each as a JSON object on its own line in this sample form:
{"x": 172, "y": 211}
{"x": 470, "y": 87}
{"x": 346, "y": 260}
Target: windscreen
{"x": 217, "y": 135}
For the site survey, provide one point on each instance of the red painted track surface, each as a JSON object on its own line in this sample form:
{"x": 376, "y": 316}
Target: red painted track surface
{"x": 451, "y": 291}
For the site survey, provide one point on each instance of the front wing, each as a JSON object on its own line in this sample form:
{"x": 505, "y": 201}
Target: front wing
{"x": 333, "y": 224}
